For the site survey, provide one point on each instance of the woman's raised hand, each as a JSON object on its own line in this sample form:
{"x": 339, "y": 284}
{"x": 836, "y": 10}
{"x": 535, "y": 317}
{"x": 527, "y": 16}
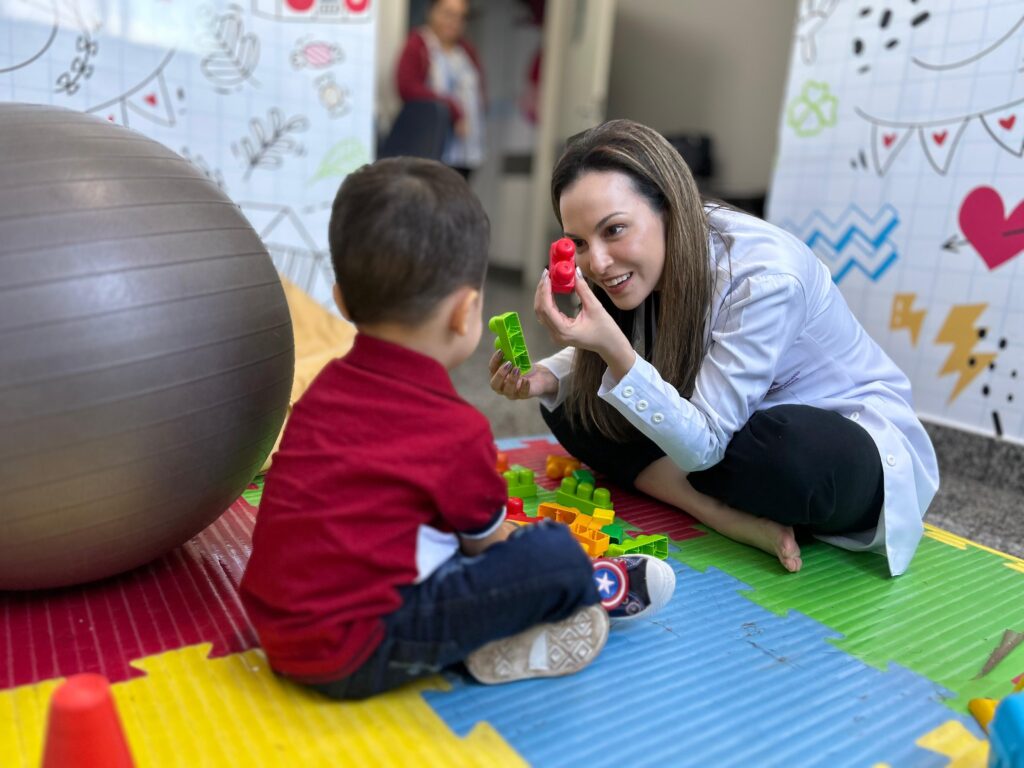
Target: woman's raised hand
{"x": 509, "y": 382}
{"x": 592, "y": 329}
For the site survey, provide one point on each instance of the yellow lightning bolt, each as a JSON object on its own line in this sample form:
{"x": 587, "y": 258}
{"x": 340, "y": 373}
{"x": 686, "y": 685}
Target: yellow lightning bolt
{"x": 905, "y": 317}
{"x": 960, "y": 331}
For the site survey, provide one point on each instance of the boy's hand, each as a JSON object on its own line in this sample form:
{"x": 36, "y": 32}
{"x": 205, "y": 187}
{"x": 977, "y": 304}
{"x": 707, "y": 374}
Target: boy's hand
{"x": 592, "y": 329}
{"x": 474, "y": 547}
{"x": 506, "y": 380}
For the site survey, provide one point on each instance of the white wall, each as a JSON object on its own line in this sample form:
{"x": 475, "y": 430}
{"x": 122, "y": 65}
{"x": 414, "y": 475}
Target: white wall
{"x": 392, "y": 29}
{"x": 716, "y": 67}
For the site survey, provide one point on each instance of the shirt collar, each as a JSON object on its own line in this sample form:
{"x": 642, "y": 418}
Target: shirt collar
{"x": 393, "y": 360}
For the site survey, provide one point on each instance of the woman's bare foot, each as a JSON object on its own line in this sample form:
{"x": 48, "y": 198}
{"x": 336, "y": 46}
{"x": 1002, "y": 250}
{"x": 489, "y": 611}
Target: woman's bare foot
{"x": 767, "y": 535}
{"x": 665, "y": 481}
{"x": 779, "y": 540}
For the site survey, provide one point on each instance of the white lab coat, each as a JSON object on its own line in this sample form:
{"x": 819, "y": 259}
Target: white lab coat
{"x": 781, "y": 333}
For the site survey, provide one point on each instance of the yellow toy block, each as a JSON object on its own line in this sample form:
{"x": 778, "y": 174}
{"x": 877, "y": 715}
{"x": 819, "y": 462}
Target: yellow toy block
{"x": 604, "y": 516}
{"x": 983, "y": 711}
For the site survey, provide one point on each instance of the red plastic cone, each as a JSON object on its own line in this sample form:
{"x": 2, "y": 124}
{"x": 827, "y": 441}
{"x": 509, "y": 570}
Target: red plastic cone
{"x": 84, "y": 730}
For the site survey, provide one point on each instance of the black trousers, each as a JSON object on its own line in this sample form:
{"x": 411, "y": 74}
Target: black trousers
{"x": 794, "y": 464}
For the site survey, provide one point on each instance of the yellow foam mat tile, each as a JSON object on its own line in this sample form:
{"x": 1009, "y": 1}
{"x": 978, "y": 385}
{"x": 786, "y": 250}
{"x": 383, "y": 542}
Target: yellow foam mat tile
{"x": 193, "y": 711}
{"x": 963, "y": 748}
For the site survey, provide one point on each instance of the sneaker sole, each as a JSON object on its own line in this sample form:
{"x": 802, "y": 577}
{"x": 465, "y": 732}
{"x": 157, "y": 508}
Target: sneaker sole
{"x": 571, "y": 645}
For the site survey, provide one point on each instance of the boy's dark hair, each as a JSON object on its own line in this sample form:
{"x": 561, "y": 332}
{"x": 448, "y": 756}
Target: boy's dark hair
{"x": 404, "y": 234}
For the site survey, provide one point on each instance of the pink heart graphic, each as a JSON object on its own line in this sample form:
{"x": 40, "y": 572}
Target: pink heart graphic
{"x": 1007, "y": 122}
{"x": 150, "y": 99}
{"x": 940, "y": 137}
{"x": 888, "y": 139}
{"x": 996, "y": 238}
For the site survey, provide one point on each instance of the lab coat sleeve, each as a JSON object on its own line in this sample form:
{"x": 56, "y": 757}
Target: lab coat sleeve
{"x": 760, "y": 319}
{"x": 560, "y": 364}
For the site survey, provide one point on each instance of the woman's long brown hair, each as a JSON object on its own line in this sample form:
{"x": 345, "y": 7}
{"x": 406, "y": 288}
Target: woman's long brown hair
{"x": 660, "y": 175}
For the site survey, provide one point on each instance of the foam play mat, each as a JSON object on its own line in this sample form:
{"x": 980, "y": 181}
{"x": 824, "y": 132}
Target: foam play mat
{"x": 837, "y": 665}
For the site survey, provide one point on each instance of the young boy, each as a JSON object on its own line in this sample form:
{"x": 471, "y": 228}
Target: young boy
{"x": 381, "y": 551}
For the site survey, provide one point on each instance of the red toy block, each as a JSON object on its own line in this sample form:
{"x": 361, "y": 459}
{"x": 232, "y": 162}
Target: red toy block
{"x": 514, "y": 511}
{"x": 502, "y": 462}
{"x": 84, "y": 730}
{"x": 562, "y": 266}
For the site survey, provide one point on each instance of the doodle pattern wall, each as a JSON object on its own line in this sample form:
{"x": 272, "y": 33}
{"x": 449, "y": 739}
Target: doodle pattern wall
{"x": 272, "y": 99}
{"x": 900, "y": 163}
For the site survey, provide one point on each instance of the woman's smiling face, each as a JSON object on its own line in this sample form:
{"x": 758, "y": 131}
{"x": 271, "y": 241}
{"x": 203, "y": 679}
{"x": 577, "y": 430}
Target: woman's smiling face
{"x": 620, "y": 238}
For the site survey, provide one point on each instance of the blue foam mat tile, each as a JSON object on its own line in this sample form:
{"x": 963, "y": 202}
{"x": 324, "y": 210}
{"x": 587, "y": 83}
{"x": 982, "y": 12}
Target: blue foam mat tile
{"x": 713, "y": 680}
{"x": 515, "y": 443}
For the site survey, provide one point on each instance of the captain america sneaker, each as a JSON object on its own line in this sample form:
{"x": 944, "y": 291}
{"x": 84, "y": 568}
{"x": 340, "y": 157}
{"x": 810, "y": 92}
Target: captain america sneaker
{"x": 633, "y": 586}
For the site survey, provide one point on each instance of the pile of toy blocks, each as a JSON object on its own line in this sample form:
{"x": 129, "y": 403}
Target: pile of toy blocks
{"x": 587, "y": 510}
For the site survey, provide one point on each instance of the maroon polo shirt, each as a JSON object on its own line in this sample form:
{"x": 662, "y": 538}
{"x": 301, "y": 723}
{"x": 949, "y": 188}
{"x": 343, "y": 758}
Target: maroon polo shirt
{"x": 381, "y": 464}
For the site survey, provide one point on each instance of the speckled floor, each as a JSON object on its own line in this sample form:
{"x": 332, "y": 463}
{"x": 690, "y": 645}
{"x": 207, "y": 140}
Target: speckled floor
{"x": 982, "y": 492}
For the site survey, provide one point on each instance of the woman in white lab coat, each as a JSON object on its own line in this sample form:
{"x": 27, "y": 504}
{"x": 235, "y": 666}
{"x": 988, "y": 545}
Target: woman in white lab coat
{"x": 714, "y": 365}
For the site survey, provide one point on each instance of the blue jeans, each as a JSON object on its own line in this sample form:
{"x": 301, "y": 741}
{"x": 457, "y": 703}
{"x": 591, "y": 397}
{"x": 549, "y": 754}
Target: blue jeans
{"x": 539, "y": 574}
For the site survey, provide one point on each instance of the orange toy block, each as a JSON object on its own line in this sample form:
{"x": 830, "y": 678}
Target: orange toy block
{"x": 587, "y": 523}
{"x": 551, "y": 511}
{"x": 502, "y": 463}
{"x": 594, "y": 542}
{"x": 557, "y": 467}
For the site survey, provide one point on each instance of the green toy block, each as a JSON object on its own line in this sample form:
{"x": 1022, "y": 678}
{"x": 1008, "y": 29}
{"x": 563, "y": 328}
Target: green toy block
{"x": 616, "y": 532}
{"x": 521, "y": 482}
{"x": 624, "y": 547}
{"x": 656, "y": 545}
{"x": 584, "y": 496}
{"x": 510, "y": 340}
{"x": 641, "y": 545}
{"x": 583, "y": 476}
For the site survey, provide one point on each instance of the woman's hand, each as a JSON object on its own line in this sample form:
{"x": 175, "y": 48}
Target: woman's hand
{"x": 592, "y": 329}
{"x": 508, "y": 381}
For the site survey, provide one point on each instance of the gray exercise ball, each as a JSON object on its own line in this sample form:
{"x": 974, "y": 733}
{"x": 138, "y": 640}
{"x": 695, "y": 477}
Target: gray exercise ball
{"x": 146, "y": 352}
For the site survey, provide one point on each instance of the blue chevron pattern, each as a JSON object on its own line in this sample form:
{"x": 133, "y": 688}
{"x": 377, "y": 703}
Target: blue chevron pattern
{"x": 854, "y": 241}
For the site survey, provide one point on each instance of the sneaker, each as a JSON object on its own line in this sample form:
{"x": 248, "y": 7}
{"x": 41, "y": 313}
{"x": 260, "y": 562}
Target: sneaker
{"x": 633, "y": 586}
{"x": 546, "y": 650}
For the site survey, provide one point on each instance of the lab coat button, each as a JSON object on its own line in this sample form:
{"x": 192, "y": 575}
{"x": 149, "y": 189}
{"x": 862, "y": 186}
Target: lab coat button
{"x": 627, "y": 391}
{"x": 657, "y": 418}
{"x": 641, "y": 405}
{"x": 890, "y": 460}
{"x": 855, "y": 415}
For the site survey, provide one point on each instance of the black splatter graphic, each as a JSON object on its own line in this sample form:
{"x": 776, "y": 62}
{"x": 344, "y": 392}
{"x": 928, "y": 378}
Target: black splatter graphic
{"x": 988, "y": 389}
{"x": 888, "y": 22}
